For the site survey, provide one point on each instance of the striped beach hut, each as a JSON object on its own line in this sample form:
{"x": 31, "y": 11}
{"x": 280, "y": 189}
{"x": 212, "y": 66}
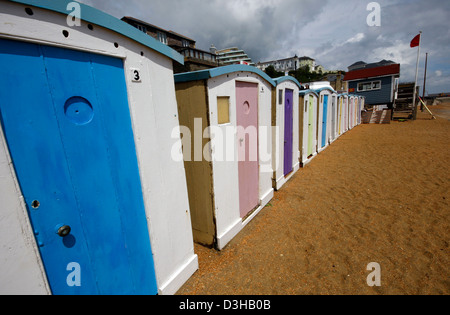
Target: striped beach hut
{"x": 92, "y": 201}
{"x": 228, "y": 154}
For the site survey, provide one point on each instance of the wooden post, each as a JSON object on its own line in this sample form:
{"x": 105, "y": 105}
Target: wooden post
{"x": 424, "y": 81}
{"x": 429, "y": 111}
{"x": 415, "y": 84}
{"x": 416, "y": 102}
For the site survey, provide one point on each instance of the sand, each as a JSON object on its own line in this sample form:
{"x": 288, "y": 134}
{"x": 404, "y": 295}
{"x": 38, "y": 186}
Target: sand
{"x": 380, "y": 193}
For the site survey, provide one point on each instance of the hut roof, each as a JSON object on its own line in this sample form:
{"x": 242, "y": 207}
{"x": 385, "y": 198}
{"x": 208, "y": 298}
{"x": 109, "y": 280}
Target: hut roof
{"x": 215, "y": 72}
{"x": 287, "y": 78}
{"x": 329, "y": 88}
{"x": 304, "y": 92}
{"x": 97, "y": 17}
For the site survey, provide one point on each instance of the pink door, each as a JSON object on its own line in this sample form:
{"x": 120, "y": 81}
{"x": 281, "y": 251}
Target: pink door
{"x": 247, "y": 137}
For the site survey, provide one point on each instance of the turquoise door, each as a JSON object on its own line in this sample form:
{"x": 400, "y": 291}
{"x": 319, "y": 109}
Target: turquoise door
{"x": 67, "y": 124}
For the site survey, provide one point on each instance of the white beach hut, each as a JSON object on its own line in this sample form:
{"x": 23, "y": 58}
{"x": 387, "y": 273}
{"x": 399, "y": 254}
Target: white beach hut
{"x": 362, "y": 101}
{"x": 339, "y": 128}
{"x": 351, "y": 111}
{"x": 334, "y": 117}
{"x": 326, "y": 116}
{"x": 225, "y": 114}
{"x": 92, "y": 201}
{"x": 308, "y": 103}
{"x": 342, "y": 113}
{"x": 354, "y": 110}
{"x": 357, "y": 110}
{"x": 345, "y": 112}
{"x": 285, "y": 133}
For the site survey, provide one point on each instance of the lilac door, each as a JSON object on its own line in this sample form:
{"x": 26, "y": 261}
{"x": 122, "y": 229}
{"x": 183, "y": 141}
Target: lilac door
{"x": 288, "y": 131}
{"x": 247, "y": 137}
{"x": 324, "y": 120}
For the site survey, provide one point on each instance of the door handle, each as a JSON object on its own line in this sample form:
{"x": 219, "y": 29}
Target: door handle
{"x": 63, "y": 230}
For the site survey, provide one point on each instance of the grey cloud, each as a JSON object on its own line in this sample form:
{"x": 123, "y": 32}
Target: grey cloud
{"x": 270, "y": 29}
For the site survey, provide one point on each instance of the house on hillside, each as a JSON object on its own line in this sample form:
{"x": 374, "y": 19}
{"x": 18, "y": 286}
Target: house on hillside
{"x": 292, "y": 64}
{"x": 377, "y": 82}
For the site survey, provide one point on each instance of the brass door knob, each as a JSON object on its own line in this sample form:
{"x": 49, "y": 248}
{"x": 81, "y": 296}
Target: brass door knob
{"x": 64, "y": 230}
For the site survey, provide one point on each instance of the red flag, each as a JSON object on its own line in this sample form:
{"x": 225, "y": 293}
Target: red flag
{"x": 416, "y": 41}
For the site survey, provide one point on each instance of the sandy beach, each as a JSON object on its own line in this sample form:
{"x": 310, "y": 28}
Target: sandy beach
{"x": 380, "y": 193}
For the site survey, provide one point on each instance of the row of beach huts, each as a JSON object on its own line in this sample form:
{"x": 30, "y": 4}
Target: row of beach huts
{"x": 111, "y": 167}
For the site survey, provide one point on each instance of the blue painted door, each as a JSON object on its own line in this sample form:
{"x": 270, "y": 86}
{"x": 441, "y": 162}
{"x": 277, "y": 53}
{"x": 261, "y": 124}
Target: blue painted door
{"x": 288, "y": 131}
{"x": 324, "y": 120}
{"x": 67, "y": 124}
{"x": 333, "y": 117}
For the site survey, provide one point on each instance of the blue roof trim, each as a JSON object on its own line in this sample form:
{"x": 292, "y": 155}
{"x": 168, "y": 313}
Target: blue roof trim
{"x": 287, "y": 78}
{"x": 304, "y": 92}
{"x": 192, "y": 76}
{"x": 325, "y": 88}
{"x": 94, "y": 16}
{"x": 216, "y": 72}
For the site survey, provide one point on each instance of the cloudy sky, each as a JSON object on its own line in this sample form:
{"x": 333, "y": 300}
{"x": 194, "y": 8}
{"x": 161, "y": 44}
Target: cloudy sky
{"x": 335, "y": 33}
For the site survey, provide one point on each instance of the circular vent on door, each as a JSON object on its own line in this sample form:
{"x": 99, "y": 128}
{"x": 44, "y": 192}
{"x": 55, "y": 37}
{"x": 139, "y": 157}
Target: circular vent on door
{"x": 246, "y": 108}
{"x": 78, "y": 110}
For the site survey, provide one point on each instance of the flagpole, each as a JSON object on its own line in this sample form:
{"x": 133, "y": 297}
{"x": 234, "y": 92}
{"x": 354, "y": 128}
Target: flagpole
{"x": 424, "y": 80}
{"x": 417, "y": 76}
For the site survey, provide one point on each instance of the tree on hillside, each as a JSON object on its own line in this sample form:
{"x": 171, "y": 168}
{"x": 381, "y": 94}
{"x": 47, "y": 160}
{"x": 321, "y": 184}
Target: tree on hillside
{"x": 271, "y": 72}
{"x": 304, "y": 75}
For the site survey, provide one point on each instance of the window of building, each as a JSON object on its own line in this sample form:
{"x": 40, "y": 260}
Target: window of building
{"x": 376, "y": 85}
{"x": 185, "y": 43}
{"x": 162, "y": 37}
{"x": 369, "y": 86}
{"x": 142, "y": 28}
